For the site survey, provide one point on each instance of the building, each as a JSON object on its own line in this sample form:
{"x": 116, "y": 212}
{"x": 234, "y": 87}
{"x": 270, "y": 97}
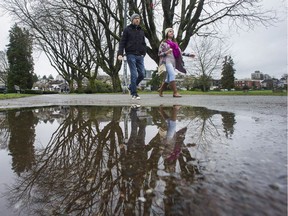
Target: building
{"x": 251, "y": 84}
{"x": 257, "y": 75}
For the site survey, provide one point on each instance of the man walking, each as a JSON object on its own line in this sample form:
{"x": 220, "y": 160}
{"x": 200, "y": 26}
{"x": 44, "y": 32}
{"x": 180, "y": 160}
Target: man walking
{"x": 133, "y": 41}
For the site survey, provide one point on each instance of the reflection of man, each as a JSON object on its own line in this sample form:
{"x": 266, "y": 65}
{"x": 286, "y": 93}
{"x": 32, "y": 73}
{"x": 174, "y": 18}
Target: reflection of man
{"x": 137, "y": 136}
{"x": 134, "y": 162}
{"x": 136, "y": 143}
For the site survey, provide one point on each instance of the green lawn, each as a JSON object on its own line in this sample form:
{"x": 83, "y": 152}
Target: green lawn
{"x": 14, "y": 95}
{"x": 255, "y": 92}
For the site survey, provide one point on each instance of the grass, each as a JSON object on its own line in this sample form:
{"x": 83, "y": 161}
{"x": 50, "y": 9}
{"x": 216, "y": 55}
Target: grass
{"x": 14, "y": 95}
{"x": 254, "y": 92}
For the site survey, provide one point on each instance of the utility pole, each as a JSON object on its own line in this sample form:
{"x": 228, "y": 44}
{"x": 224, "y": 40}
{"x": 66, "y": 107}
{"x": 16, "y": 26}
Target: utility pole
{"x": 125, "y": 79}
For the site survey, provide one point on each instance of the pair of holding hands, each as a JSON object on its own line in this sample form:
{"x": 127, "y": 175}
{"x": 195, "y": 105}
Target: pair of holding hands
{"x": 184, "y": 54}
{"x": 120, "y": 57}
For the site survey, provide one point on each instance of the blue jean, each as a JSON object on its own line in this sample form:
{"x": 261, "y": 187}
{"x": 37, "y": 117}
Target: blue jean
{"x": 170, "y": 76}
{"x": 136, "y": 66}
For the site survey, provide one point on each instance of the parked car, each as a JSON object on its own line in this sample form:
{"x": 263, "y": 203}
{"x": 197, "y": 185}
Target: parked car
{"x": 3, "y": 89}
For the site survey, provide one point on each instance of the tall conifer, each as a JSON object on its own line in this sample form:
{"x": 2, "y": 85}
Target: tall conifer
{"x": 228, "y": 72}
{"x": 20, "y": 60}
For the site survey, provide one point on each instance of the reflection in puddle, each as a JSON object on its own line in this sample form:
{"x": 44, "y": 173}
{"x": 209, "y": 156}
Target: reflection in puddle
{"x": 109, "y": 160}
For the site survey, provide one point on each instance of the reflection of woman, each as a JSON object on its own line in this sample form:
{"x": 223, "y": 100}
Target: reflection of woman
{"x": 171, "y": 139}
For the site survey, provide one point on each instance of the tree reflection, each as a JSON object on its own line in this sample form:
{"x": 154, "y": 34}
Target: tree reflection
{"x": 88, "y": 169}
{"x": 4, "y": 130}
{"x": 22, "y": 138}
{"x": 228, "y": 120}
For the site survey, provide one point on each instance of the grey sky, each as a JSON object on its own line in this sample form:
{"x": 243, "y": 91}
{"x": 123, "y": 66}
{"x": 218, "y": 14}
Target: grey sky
{"x": 263, "y": 49}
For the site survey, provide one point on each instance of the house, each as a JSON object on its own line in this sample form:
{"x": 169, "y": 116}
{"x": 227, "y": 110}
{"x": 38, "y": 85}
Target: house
{"x": 251, "y": 84}
{"x": 215, "y": 84}
{"x": 270, "y": 83}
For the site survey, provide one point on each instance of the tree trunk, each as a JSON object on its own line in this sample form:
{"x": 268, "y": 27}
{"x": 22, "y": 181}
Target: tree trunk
{"x": 71, "y": 87}
{"x": 116, "y": 83}
{"x": 79, "y": 85}
{"x": 92, "y": 84}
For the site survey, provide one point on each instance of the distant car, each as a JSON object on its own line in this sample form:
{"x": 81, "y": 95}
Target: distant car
{"x": 148, "y": 88}
{"x": 3, "y": 89}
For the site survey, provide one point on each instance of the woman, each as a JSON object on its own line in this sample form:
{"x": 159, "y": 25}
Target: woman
{"x": 170, "y": 55}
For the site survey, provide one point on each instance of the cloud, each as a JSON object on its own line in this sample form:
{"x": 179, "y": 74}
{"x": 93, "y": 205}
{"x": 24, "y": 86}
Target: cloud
{"x": 5, "y": 27}
{"x": 262, "y": 49}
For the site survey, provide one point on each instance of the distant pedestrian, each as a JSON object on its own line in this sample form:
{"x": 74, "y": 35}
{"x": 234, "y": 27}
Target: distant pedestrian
{"x": 133, "y": 42}
{"x": 171, "y": 56}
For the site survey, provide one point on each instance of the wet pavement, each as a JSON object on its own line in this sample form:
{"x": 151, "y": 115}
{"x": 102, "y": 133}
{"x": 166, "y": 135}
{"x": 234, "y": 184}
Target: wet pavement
{"x": 109, "y": 155}
{"x": 260, "y": 104}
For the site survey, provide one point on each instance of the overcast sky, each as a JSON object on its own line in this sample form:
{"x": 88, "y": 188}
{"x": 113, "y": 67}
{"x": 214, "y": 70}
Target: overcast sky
{"x": 263, "y": 49}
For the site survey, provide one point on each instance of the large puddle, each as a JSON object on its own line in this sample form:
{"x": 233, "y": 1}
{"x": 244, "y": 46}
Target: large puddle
{"x": 78, "y": 160}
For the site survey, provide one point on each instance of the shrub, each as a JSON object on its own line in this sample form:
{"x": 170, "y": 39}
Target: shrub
{"x": 103, "y": 87}
{"x": 100, "y": 87}
{"x": 30, "y": 91}
{"x": 50, "y": 92}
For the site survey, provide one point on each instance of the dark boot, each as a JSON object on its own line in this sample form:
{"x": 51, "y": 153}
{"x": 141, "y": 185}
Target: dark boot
{"x": 162, "y": 88}
{"x": 174, "y": 88}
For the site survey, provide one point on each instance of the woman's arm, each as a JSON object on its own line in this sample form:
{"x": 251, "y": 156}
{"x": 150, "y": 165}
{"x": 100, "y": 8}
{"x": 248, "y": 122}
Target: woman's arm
{"x": 188, "y": 54}
{"x": 163, "y": 50}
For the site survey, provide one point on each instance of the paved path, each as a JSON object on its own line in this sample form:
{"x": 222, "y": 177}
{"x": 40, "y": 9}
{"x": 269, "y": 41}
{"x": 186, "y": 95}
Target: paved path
{"x": 262, "y": 104}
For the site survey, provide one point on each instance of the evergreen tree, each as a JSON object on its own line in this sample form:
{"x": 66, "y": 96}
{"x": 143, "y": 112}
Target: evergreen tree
{"x": 51, "y": 77}
{"x": 227, "y": 79}
{"x": 20, "y": 60}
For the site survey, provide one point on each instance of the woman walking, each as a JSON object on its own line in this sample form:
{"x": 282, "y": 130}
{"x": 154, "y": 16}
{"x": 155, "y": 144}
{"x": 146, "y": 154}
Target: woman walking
{"x": 171, "y": 56}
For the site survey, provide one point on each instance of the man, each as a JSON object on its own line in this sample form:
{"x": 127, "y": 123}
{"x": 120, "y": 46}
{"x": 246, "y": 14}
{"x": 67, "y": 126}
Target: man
{"x": 133, "y": 41}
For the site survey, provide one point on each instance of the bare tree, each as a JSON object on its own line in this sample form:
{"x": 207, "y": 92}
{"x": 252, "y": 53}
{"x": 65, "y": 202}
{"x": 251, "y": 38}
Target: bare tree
{"x": 59, "y": 34}
{"x": 101, "y": 23}
{"x": 201, "y": 17}
{"x": 209, "y": 54}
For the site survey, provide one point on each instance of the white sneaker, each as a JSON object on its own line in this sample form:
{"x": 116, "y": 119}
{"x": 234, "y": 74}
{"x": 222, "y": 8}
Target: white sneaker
{"x": 135, "y": 97}
{"x": 135, "y": 106}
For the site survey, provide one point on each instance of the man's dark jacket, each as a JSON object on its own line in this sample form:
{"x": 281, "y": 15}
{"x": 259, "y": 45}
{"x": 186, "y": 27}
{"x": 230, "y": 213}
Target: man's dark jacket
{"x": 133, "y": 41}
